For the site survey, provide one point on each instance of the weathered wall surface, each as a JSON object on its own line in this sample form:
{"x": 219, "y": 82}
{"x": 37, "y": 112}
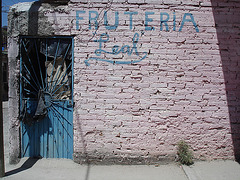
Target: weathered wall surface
{"x": 147, "y": 74}
{"x": 13, "y": 100}
{"x": 23, "y": 19}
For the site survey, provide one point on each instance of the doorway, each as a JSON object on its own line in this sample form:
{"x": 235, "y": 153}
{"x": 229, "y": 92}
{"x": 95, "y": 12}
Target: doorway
{"x": 46, "y": 97}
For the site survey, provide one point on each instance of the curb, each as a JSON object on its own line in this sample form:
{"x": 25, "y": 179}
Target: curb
{"x": 190, "y": 172}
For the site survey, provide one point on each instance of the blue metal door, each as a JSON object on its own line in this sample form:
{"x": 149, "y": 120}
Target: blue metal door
{"x": 46, "y": 97}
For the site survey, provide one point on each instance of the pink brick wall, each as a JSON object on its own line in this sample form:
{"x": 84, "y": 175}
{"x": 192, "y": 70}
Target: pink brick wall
{"x": 142, "y": 110}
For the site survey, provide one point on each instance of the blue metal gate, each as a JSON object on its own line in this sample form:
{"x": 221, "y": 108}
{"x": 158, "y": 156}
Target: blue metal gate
{"x": 46, "y": 97}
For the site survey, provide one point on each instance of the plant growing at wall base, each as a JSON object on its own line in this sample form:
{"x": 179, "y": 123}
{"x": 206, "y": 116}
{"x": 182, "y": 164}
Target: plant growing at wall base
{"x": 184, "y": 154}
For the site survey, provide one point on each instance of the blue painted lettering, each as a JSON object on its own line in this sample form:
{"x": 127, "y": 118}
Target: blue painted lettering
{"x": 113, "y": 27}
{"x": 164, "y": 21}
{"x": 78, "y": 18}
{"x": 115, "y": 50}
{"x": 147, "y": 20}
{"x": 126, "y": 49}
{"x": 130, "y": 17}
{"x": 94, "y": 19}
{"x": 188, "y": 20}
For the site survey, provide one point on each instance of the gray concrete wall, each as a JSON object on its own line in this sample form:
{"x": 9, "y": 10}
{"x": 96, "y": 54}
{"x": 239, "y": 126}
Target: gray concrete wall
{"x": 6, "y": 131}
{"x": 14, "y": 148}
{"x": 23, "y": 19}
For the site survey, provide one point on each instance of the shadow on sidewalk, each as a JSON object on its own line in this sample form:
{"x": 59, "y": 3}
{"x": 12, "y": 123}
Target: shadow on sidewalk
{"x": 26, "y": 165}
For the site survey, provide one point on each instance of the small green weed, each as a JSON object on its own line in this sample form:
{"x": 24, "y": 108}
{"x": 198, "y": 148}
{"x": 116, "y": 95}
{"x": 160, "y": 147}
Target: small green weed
{"x": 185, "y": 156}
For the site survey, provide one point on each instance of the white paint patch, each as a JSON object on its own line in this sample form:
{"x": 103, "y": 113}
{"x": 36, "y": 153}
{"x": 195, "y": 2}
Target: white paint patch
{"x": 21, "y": 7}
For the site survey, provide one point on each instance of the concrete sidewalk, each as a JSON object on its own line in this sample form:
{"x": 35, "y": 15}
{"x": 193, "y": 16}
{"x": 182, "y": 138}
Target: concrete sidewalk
{"x": 64, "y": 169}
{"x": 214, "y": 170}
{"x": 61, "y": 169}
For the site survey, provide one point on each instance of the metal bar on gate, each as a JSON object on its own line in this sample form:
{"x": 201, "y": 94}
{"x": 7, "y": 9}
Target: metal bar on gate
{"x": 65, "y": 72}
{"x": 39, "y": 62}
{"x": 28, "y": 91}
{"x": 56, "y": 75}
{"x": 62, "y": 124}
{"x": 60, "y": 86}
{"x": 30, "y": 74}
{"x": 30, "y": 83}
{"x": 59, "y": 94}
{"x": 30, "y": 62}
{"x": 54, "y": 62}
{"x": 61, "y": 106}
{"x": 46, "y": 82}
{"x": 62, "y": 115}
